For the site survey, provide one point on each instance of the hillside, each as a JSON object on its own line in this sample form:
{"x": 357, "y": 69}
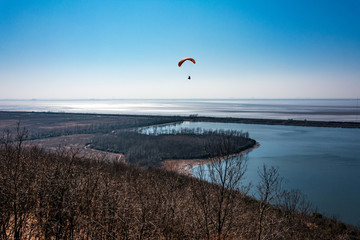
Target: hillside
{"x": 66, "y": 196}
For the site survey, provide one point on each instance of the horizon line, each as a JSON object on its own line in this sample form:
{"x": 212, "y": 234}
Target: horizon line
{"x": 112, "y": 99}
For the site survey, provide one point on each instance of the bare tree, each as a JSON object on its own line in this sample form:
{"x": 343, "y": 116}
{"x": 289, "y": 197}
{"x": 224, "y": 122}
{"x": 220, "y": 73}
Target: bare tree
{"x": 268, "y": 190}
{"x": 226, "y": 173}
{"x": 294, "y": 201}
{"x": 16, "y": 182}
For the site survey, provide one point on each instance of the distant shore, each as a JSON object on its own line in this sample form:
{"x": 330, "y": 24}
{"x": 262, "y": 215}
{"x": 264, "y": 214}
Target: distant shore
{"x": 282, "y": 122}
{"x": 193, "y": 118}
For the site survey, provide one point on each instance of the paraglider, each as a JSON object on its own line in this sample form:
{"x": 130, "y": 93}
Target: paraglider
{"x": 186, "y": 59}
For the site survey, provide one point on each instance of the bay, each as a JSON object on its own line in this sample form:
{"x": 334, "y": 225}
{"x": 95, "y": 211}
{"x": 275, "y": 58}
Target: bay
{"x": 323, "y": 163}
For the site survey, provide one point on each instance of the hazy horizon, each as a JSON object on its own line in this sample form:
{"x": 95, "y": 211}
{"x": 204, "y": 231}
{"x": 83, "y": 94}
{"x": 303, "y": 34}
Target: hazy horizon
{"x": 90, "y": 99}
{"x": 299, "y": 109}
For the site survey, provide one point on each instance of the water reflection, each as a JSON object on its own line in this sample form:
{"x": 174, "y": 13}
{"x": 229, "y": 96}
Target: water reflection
{"x": 326, "y": 110}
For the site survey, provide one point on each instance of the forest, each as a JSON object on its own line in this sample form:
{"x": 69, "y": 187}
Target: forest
{"x": 151, "y": 149}
{"x": 62, "y": 195}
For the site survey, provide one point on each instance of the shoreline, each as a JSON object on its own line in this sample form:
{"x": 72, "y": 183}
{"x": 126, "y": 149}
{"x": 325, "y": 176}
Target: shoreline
{"x": 184, "y": 166}
{"x": 176, "y": 118}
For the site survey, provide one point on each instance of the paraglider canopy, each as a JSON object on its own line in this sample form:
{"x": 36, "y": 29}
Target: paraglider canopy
{"x": 185, "y": 59}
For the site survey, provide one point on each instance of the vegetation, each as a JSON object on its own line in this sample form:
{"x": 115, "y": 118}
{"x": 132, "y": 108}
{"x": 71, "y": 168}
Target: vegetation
{"x": 44, "y": 125}
{"x": 65, "y": 196}
{"x": 48, "y": 124}
{"x": 152, "y": 149}
{"x": 286, "y": 122}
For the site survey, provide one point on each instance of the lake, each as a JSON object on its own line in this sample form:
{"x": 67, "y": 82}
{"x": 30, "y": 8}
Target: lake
{"x": 324, "y": 163}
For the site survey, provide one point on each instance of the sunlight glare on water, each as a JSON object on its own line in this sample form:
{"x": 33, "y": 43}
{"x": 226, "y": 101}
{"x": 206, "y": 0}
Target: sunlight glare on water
{"x": 309, "y": 109}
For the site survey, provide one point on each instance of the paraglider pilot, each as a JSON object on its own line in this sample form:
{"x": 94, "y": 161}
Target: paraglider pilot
{"x": 185, "y": 59}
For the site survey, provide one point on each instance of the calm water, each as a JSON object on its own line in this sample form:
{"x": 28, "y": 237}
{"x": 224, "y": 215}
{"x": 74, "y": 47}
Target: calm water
{"x": 323, "y": 109}
{"x": 324, "y": 163}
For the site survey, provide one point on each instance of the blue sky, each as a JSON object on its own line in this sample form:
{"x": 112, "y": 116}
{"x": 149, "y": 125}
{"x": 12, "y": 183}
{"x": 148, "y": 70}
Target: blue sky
{"x": 130, "y": 49}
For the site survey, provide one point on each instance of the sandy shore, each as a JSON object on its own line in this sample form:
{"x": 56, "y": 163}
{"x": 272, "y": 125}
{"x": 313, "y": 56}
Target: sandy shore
{"x": 184, "y": 166}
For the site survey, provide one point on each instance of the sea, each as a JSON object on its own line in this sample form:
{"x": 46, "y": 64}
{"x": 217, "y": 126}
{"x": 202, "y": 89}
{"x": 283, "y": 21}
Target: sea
{"x": 297, "y": 109}
{"x": 321, "y": 162}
